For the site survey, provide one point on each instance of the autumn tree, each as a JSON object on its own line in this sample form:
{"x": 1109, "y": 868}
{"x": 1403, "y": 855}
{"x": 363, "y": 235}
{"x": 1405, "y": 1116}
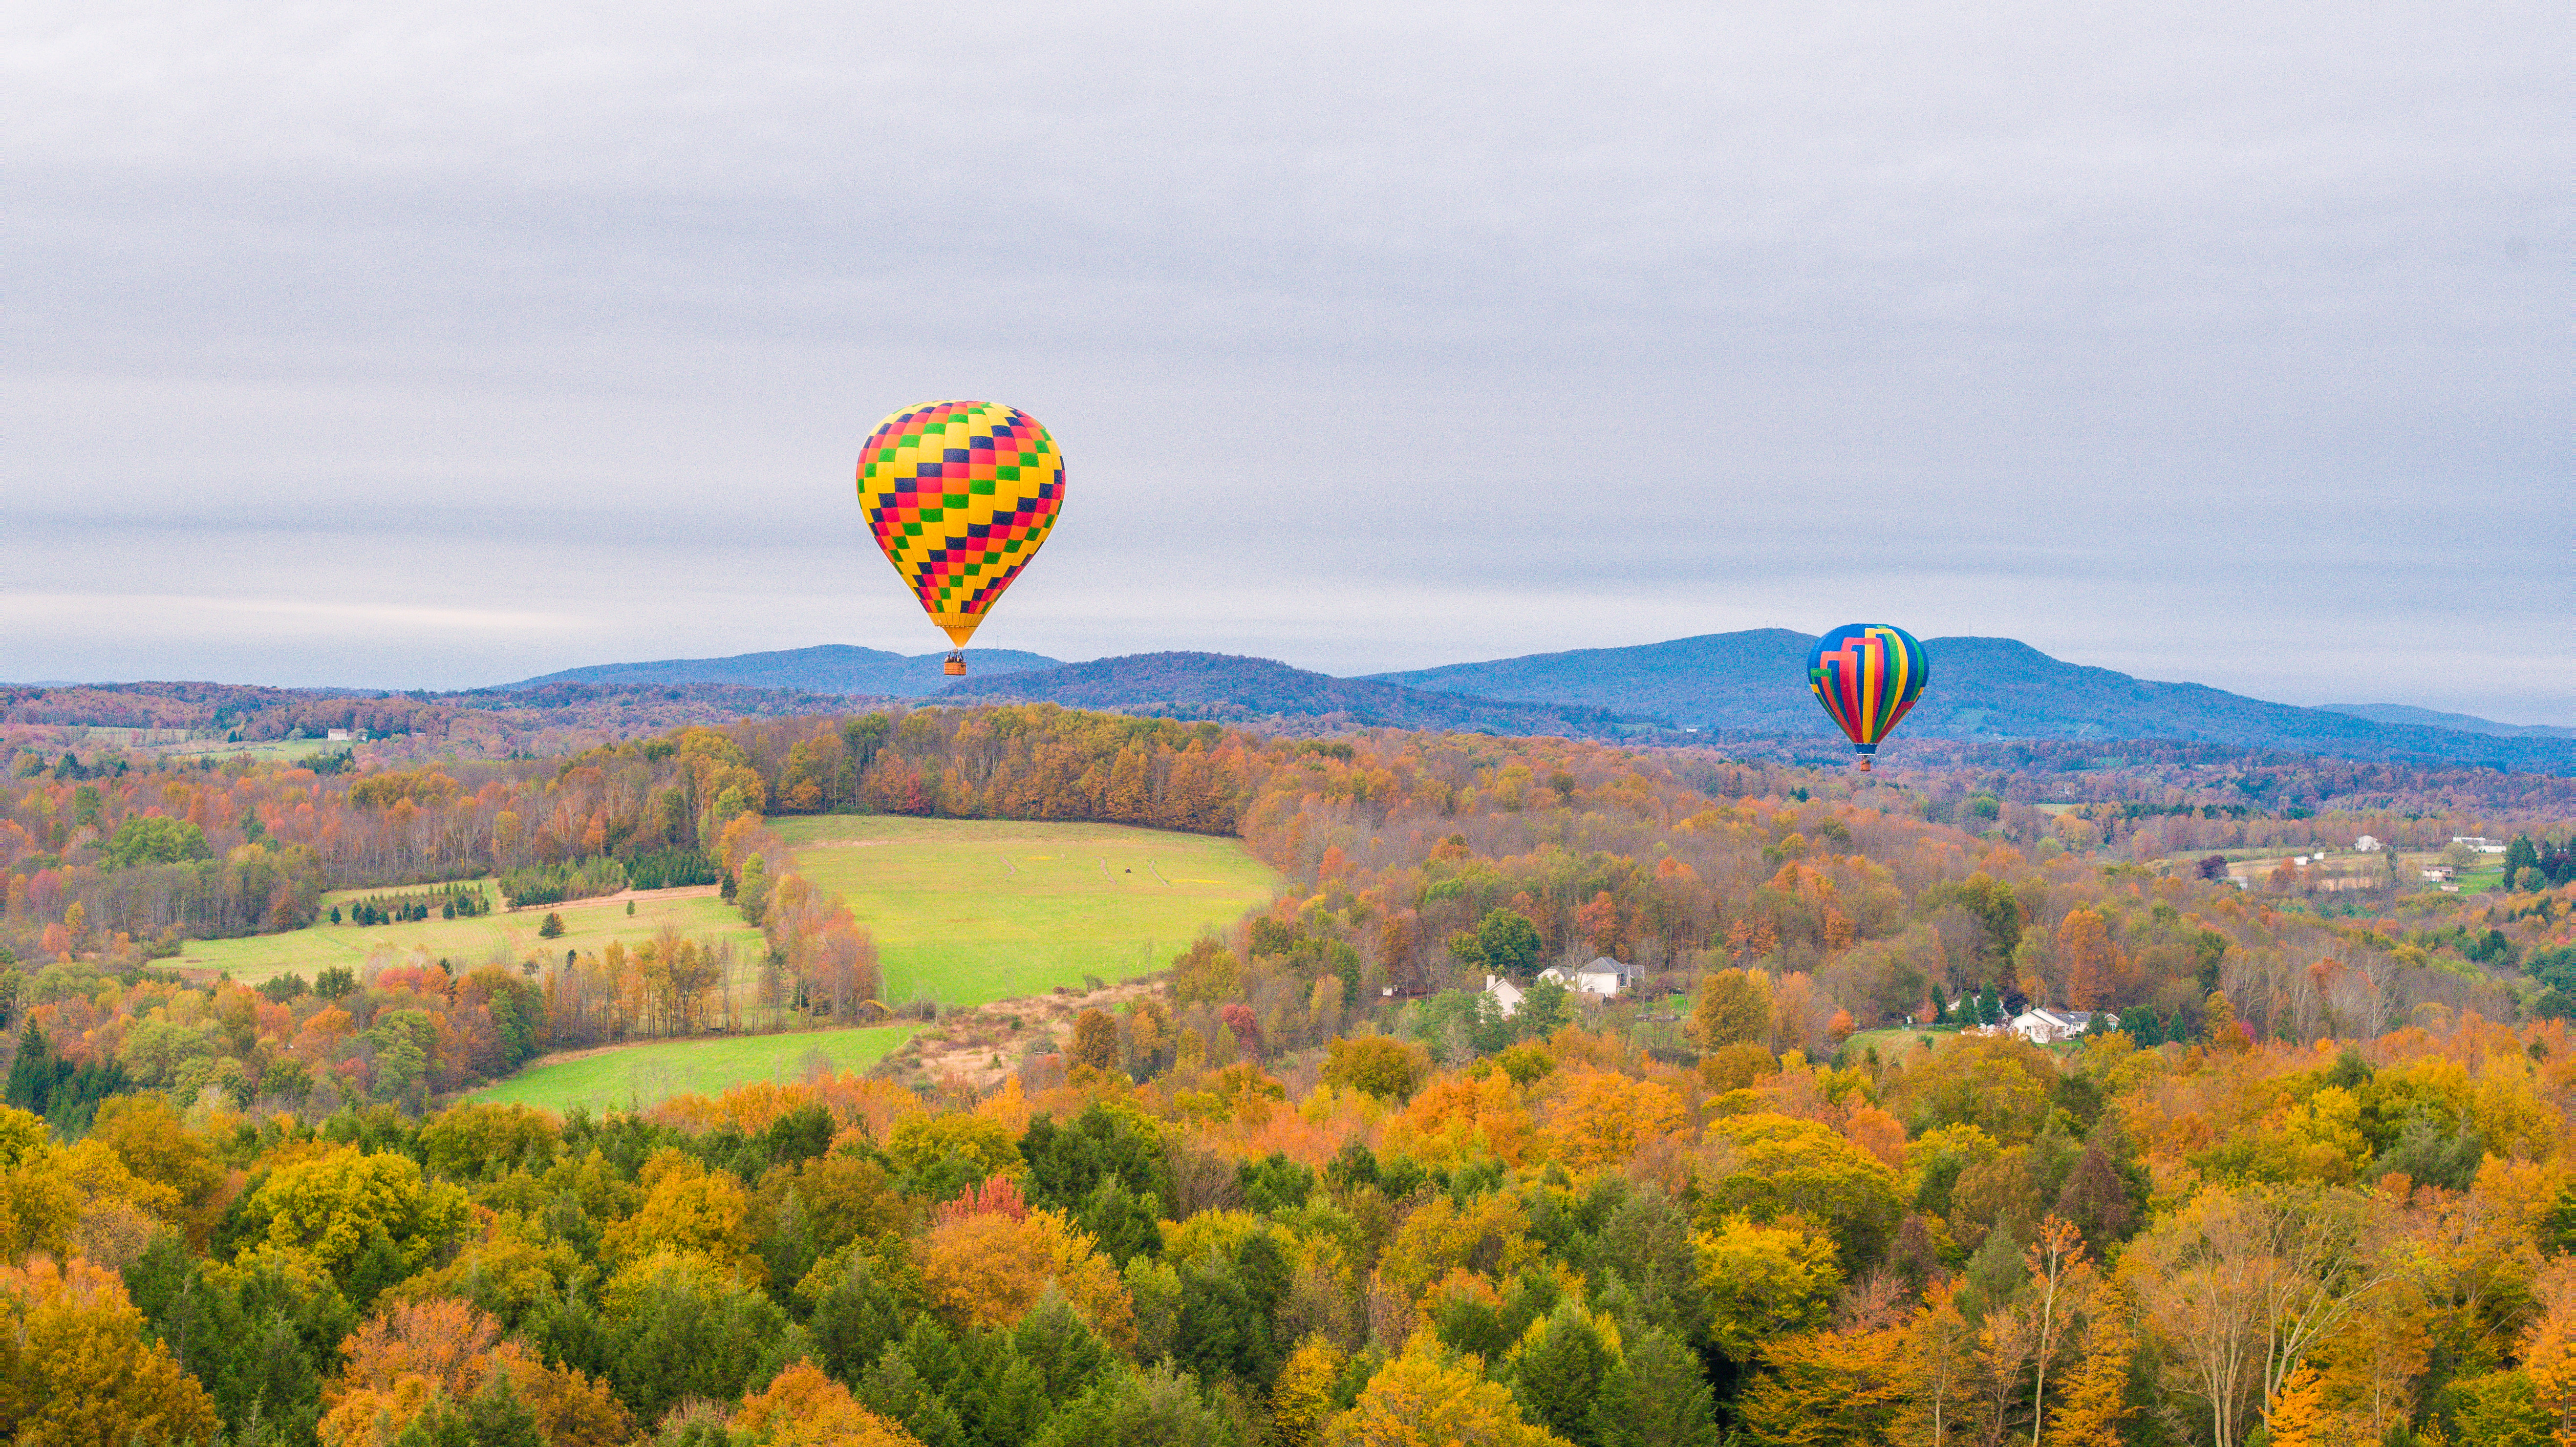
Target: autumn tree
{"x": 1761, "y": 1281}
{"x": 2085, "y": 958}
{"x": 1095, "y": 1043}
{"x": 1423, "y": 1399}
{"x": 75, "y": 1370}
{"x": 1734, "y": 1006}
{"x": 1376, "y": 1065}
{"x": 804, "y": 1408}
{"x": 369, "y": 1219}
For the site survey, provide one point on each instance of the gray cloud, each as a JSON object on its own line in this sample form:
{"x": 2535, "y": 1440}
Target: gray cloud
{"x": 2210, "y": 342}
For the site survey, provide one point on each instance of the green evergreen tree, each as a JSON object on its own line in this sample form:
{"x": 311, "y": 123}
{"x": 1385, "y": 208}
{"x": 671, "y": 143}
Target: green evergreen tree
{"x": 31, "y": 1075}
{"x": 894, "y": 1389}
{"x": 497, "y": 1418}
{"x": 1067, "y": 1356}
{"x": 1566, "y": 1373}
{"x": 1668, "y": 1402}
{"x": 856, "y": 1318}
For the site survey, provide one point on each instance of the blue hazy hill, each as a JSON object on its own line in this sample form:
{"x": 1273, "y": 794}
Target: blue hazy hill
{"x": 826, "y": 668}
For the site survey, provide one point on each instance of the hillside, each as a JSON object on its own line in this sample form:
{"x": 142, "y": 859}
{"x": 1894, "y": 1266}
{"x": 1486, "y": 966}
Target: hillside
{"x": 825, "y": 668}
{"x": 2467, "y": 723}
{"x": 1981, "y": 688}
{"x": 1225, "y": 686}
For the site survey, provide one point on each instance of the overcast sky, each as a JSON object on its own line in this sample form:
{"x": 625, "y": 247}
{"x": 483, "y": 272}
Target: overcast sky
{"x": 446, "y": 345}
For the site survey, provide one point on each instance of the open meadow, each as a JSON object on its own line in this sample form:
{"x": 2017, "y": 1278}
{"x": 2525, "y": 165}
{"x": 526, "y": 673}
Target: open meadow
{"x": 640, "y": 1075}
{"x": 968, "y": 911}
{"x": 588, "y": 926}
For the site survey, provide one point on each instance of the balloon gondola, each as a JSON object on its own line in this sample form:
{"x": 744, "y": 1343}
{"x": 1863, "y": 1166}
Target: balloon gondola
{"x": 960, "y": 495}
{"x": 1867, "y": 675}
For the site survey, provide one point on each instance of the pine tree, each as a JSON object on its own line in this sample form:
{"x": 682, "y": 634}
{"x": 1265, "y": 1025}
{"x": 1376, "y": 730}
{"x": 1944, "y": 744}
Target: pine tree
{"x": 31, "y": 1075}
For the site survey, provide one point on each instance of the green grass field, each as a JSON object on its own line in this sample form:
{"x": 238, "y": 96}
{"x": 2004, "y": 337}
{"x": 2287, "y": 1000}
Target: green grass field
{"x": 640, "y": 1075}
{"x": 466, "y": 943}
{"x": 967, "y": 911}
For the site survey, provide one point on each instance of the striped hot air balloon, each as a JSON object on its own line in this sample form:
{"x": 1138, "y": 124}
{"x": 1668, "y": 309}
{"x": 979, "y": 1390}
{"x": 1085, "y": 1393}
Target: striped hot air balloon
{"x": 1867, "y": 675}
{"x": 960, "y": 496}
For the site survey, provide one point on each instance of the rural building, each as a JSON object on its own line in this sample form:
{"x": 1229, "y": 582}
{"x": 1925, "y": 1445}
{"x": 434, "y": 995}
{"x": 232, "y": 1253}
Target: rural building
{"x": 2440, "y": 872}
{"x": 337, "y": 736}
{"x": 1604, "y": 977}
{"x": 2049, "y": 1027}
{"x": 1506, "y": 995}
{"x": 2367, "y": 844}
{"x": 2479, "y": 843}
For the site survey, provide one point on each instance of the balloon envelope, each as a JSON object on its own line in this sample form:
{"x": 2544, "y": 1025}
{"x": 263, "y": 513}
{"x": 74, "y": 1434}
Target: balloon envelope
{"x": 960, "y": 496}
{"x": 1867, "y": 675}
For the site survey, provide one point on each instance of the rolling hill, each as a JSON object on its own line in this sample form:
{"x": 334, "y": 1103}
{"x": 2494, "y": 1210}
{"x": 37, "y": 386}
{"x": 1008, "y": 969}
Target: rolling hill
{"x": 1226, "y": 686}
{"x": 1981, "y": 688}
{"x": 827, "y": 668}
{"x": 2467, "y": 723}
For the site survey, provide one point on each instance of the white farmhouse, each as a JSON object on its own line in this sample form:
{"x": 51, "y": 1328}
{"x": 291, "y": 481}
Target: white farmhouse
{"x": 1506, "y": 995}
{"x": 1604, "y": 977}
{"x": 2049, "y": 1027}
{"x": 2367, "y": 844}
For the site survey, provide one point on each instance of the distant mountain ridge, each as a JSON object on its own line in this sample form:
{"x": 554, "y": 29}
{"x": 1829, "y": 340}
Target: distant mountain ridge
{"x": 826, "y": 668}
{"x": 1230, "y": 686}
{"x": 2467, "y": 723}
{"x": 1754, "y": 681}
{"x": 1749, "y": 682}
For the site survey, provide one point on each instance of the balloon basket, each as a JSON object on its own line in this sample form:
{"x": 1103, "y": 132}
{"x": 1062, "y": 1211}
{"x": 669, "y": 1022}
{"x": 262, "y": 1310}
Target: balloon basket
{"x": 1864, "y": 763}
{"x": 955, "y": 667}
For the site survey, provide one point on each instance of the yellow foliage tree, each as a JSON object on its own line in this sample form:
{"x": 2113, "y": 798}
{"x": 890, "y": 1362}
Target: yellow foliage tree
{"x": 1596, "y": 1118}
{"x": 2096, "y": 1397}
{"x": 335, "y": 1208}
{"x": 75, "y": 1370}
{"x": 1734, "y": 1007}
{"x": 1763, "y": 1281}
{"x": 1302, "y": 1404}
{"x": 2300, "y": 1416}
{"x": 805, "y": 1408}
{"x": 986, "y": 1270}
{"x": 688, "y": 1208}
{"x": 1463, "y": 1118}
{"x": 39, "y": 1201}
{"x": 1422, "y": 1400}
{"x": 1489, "y": 1233}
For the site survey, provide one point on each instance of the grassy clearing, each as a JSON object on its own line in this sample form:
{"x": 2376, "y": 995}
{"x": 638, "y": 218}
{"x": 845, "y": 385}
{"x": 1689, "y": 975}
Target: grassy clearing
{"x": 1892, "y": 1043}
{"x": 640, "y": 1075}
{"x": 968, "y": 911}
{"x": 588, "y": 926}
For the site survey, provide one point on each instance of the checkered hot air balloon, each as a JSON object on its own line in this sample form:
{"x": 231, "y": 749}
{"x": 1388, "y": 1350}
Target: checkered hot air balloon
{"x": 960, "y": 494}
{"x": 1867, "y": 675}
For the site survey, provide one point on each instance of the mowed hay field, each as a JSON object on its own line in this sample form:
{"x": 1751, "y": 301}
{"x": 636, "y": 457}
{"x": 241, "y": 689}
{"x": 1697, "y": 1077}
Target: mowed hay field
{"x": 968, "y": 911}
{"x": 641, "y": 1075}
{"x": 588, "y": 927}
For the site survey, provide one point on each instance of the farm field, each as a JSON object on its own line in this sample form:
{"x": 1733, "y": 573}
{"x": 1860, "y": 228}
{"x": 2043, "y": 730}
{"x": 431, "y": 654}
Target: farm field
{"x": 588, "y": 926}
{"x": 641, "y": 1075}
{"x": 968, "y": 911}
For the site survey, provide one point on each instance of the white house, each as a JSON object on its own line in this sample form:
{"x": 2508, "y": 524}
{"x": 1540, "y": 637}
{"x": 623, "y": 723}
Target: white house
{"x": 1507, "y": 996}
{"x": 2439, "y": 872}
{"x": 1604, "y": 977}
{"x": 2047, "y": 1027}
{"x": 2367, "y": 844}
{"x": 2479, "y": 843}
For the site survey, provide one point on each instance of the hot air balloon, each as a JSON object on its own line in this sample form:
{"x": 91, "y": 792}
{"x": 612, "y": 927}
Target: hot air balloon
{"x": 1867, "y": 675}
{"x": 960, "y": 494}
